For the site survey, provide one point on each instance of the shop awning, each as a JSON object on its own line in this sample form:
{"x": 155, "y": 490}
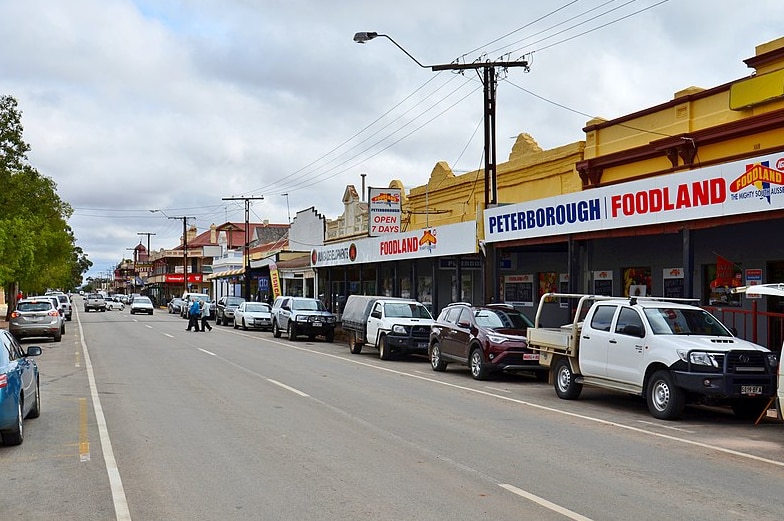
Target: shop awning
{"x": 226, "y": 274}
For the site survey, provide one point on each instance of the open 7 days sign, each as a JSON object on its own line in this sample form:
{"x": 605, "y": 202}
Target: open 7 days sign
{"x": 741, "y": 187}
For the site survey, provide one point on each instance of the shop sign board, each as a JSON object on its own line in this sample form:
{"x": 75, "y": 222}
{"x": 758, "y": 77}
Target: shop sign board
{"x": 436, "y": 241}
{"x": 178, "y": 278}
{"x": 740, "y": 187}
{"x": 384, "y": 210}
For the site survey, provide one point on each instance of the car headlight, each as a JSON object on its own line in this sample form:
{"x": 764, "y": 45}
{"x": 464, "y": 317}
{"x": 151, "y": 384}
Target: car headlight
{"x": 302, "y": 318}
{"x": 399, "y": 330}
{"x": 701, "y": 358}
{"x": 497, "y": 339}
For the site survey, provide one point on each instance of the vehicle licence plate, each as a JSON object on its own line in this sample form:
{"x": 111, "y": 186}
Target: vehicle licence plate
{"x": 422, "y": 345}
{"x": 533, "y": 356}
{"x": 316, "y": 324}
{"x": 750, "y": 389}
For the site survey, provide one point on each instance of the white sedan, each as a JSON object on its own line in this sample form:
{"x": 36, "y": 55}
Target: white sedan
{"x": 114, "y": 304}
{"x": 141, "y": 305}
{"x": 253, "y": 315}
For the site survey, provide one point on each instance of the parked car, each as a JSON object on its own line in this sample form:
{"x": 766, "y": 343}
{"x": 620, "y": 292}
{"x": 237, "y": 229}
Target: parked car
{"x": 63, "y": 303}
{"x": 94, "y": 301}
{"x": 253, "y": 315}
{"x": 486, "y": 338}
{"x": 175, "y": 306}
{"x": 141, "y": 305}
{"x": 302, "y": 316}
{"x": 224, "y": 309}
{"x": 189, "y": 297}
{"x": 115, "y": 304}
{"x": 37, "y": 317}
{"x": 19, "y": 389}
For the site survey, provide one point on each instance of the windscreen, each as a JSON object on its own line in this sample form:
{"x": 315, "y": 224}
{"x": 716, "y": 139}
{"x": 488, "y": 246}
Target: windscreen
{"x": 406, "y": 310}
{"x": 676, "y": 321}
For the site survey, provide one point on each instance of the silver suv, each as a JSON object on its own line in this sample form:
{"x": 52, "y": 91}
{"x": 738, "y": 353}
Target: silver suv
{"x": 94, "y": 301}
{"x": 302, "y": 316}
{"x": 35, "y": 317}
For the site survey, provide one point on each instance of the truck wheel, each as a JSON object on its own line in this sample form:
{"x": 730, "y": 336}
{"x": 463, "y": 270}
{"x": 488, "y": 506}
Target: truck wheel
{"x": 383, "y": 349}
{"x": 565, "y": 386}
{"x": 330, "y": 336}
{"x": 749, "y": 408}
{"x": 275, "y": 329}
{"x": 292, "y": 331}
{"x": 665, "y": 401}
{"x": 478, "y": 367}
{"x": 436, "y": 362}
{"x": 354, "y": 346}
{"x": 235, "y": 325}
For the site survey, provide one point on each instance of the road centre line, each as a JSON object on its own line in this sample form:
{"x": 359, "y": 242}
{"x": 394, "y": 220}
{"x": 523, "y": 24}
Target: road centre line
{"x": 544, "y": 503}
{"x": 121, "y": 511}
{"x": 205, "y": 351}
{"x": 545, "y": 408}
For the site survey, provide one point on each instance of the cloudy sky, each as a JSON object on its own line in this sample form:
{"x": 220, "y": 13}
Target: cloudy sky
{"x": 134, "y": 105}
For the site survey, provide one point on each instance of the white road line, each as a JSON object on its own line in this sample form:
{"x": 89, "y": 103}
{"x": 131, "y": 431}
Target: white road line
{"x": 121, "y": 511}
{"x": 168, "y": 335}
{"x": 546, "y": 504}
{"x": 205, "y": 351}
{"x": 288, "y": 388}
{"x": 148, "y": 326}
{"x": 666, "y": 427}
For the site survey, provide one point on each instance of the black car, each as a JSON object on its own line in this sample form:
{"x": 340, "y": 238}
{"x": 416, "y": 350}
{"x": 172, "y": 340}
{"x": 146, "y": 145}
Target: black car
{"x": 486, "y": 338}
{"x": 302, "y": 316}
{"x": 225, "y": 308}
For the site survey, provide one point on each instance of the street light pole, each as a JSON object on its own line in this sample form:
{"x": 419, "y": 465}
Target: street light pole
{"x": 247, "y": 238}
{"x": 489, "y": 81}
{"x": 490, "y": 177}
{"x": 184, "y": 220}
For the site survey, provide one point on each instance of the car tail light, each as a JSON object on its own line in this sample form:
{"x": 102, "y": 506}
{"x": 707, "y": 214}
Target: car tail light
{"x": 3, "y": 380}
{"x": 54, "y": 313}
{"x": 15, "y": 314}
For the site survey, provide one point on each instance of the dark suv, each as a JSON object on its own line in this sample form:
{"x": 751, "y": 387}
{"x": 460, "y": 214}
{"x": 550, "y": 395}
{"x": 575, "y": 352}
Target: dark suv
{"x": 225, "y": 308}
{"x": 302, "y": 316}
{"x": 486, "y": 338}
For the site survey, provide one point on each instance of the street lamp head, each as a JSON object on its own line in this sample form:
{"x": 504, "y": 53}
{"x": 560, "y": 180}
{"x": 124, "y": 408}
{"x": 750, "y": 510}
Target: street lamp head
{"x": 364, "y": 36}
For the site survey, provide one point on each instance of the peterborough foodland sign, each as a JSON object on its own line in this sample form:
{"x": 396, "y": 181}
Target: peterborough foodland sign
{"x": 742, "y": 187}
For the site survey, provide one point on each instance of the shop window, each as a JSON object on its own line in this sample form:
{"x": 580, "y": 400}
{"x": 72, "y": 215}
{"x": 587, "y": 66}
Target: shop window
{"x": 637, "y": 282}
{"x": 718, "y": 281}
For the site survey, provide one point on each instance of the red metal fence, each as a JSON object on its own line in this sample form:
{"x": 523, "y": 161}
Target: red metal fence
{"x": 747, "y": 324}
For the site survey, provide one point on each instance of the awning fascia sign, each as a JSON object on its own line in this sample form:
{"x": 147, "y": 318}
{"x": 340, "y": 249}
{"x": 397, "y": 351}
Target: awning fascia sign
{"x": 436, "y": 241}
{"x": 741, "y": 187}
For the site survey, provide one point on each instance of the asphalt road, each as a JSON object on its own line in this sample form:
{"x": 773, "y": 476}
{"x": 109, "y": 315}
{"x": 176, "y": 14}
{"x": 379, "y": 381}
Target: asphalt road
{"x": 143, "y": 420}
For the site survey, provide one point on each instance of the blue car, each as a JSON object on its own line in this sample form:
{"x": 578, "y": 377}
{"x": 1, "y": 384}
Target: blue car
{"x": 19, "y": 390}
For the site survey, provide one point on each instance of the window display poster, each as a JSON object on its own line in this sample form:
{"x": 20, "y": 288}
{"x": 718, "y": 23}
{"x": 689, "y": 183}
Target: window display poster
{"x": 753, "y": 277}
{"x": 602, "y": 283}
{"x": 548, "y": 283}
{"x": 519, "y": 289}
{"x": 673, "y": 282}
{"x": 563, "y": 287}
{"x": 636, "y": 282}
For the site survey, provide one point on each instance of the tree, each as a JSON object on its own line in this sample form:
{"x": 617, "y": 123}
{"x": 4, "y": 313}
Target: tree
{"x": 37, "y": 245}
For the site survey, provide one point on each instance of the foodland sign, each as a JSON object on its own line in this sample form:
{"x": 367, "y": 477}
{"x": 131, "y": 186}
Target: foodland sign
{"x": 436, "y": 241}
{"x": 755, "y": 185}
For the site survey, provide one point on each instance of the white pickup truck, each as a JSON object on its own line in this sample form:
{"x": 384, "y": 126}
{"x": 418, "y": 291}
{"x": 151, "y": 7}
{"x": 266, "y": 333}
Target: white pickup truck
{"x": 666, "y": 350}
{"x": 393, "y": 325}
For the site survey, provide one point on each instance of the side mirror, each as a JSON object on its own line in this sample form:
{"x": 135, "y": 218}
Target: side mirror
{"x": 376, "y": 314}
{"x": 34, "y": 351}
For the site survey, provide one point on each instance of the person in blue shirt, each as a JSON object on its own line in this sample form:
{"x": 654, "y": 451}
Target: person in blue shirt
{"x": 194, "y": 314}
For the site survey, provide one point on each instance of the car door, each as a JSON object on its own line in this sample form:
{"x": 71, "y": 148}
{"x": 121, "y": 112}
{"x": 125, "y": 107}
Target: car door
{"x": 374, "y": 322}
{"x": 594, "y": 340}
{"x": 626, "y": 347}
{"x": 284, "y": 313}
{"x": 16, "y": 373}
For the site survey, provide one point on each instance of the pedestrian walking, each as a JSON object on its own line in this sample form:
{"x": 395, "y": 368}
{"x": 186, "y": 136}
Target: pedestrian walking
{"x": 205, "y": 314}
{"x": 194, "y": 312}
